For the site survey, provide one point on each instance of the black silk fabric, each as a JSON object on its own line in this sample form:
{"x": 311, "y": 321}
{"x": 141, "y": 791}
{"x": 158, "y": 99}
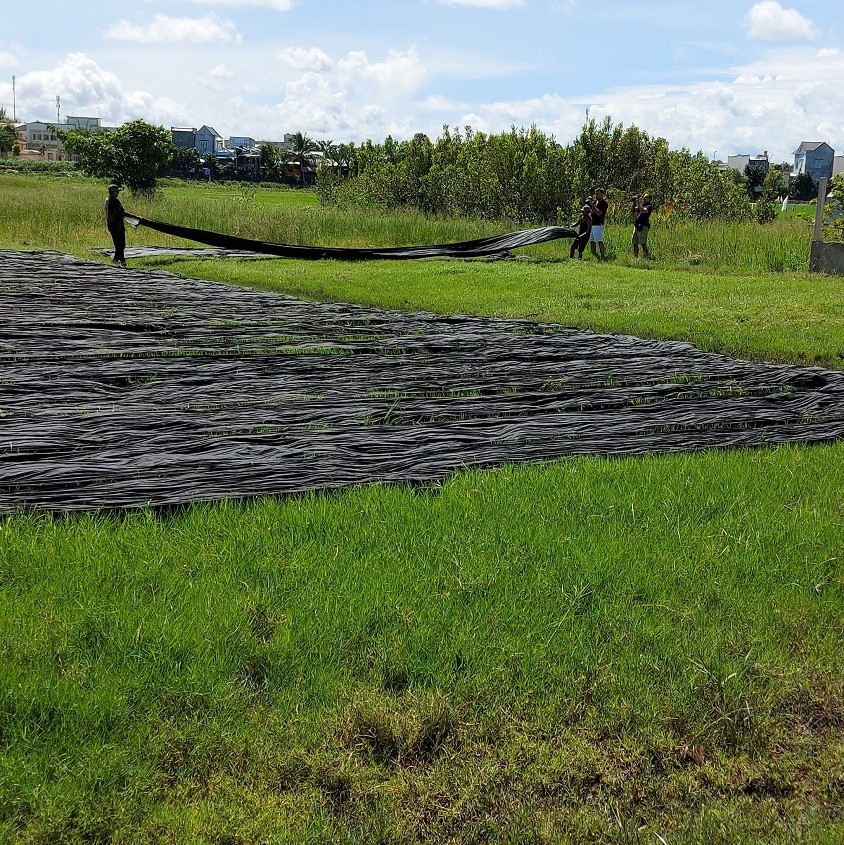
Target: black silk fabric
{"x": 498, "y": 245}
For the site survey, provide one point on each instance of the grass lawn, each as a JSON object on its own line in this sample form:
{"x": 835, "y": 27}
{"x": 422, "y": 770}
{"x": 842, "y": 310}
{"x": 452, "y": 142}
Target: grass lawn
{"x": 635, "y": 650}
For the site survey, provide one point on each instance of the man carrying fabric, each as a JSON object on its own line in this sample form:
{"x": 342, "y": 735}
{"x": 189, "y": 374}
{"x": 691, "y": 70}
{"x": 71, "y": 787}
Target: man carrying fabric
{"x": 599, "y": 207}
{"x": 642, "y": 224}
{"x": 115, "y": 213}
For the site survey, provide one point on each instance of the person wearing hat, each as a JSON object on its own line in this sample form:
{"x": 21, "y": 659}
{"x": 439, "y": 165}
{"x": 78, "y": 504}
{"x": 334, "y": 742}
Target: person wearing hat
{"x": 115, "y": 213}
{"x": 584, "y": 227}
{"x": 642, "y": 224}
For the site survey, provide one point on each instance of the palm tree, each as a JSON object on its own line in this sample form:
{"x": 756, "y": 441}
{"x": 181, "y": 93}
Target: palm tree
{"x": 300, "y": 146}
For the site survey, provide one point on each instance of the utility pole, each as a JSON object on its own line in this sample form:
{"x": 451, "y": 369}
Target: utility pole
{"x": 58, "y": 109}
{"x": 14, "y": 109}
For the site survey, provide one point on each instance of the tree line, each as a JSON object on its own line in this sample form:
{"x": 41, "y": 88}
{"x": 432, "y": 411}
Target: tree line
{"x": 522, "y": 175}
{"x": 525, "y": 175}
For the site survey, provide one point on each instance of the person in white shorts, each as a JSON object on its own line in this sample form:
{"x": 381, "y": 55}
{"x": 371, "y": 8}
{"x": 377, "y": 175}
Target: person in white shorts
{"x": 599, "y": 206}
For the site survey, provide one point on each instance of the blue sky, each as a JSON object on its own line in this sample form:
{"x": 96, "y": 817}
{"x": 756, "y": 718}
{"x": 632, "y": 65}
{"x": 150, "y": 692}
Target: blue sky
{"x": 724, "y": 76}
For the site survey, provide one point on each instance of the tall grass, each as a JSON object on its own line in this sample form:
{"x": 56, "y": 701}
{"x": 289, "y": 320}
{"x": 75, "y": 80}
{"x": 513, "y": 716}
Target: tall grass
{"x": 67, "y": 214}
{"x": 781, "y": 246}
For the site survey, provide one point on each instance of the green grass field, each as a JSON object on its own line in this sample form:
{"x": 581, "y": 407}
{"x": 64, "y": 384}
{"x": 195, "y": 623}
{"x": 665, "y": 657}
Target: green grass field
{"x": 642, "y": 650}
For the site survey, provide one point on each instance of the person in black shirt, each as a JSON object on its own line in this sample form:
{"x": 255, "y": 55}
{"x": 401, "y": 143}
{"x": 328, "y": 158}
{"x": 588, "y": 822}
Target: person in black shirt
{"x": 114, "y": 214}
{"x": 642, "y": 224}
{"x": 584, "y": 227}
{"x": 599, "y": 207}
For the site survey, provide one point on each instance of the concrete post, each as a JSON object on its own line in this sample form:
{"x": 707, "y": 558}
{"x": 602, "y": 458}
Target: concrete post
{"x": 822, "y": 182}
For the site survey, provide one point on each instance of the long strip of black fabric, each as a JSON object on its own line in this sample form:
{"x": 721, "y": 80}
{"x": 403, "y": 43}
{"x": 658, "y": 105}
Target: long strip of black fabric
{"x": 480, "y": 248}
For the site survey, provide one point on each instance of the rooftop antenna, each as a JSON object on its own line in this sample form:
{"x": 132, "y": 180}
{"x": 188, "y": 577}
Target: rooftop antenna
{"x": 58, "y": 109}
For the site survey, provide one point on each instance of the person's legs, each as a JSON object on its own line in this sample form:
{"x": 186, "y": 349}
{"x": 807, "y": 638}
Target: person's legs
{"x": 596, "y": 236}
{"x": 578, "y": 245}
{"x": 119, "y": 238}
{"x": 640, "y": 239}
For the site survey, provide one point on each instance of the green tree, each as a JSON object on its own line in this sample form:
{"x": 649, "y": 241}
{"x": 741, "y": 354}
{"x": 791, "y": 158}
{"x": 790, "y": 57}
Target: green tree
{"x": 524, "y": 175}
{"x": 755, "y": 174}
{"x": 131, "y": 155}
{"x": 833, "y": 218}
{"x": 271, "y": 162}
{"x": 345, "y": 157}
{"x": 301, "y": 146}
{"x": 782, "y": 173}
{"x": 766, "y": 205}
{"x": 8, "y": 139}
{"x": 804, "y": 187}
{"x": 184, "y": 158}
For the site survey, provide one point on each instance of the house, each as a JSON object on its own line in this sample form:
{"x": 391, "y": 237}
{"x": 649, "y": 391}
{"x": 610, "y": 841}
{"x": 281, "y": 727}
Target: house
{"x": 241, "y": 141}
{"x": 815, "y": 158}
{"x": 208, "y": 141}
{"x": 90, "y": 124}
{"x": 39, "y": 139}
{"x": 742, "y": 162}
{"x": 279, "y": 146}
{"x": 838, "y": 165}
{"x": 183, "y": 137}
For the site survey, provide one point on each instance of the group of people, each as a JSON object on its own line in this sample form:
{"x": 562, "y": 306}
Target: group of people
{"x": 590, "y": 225}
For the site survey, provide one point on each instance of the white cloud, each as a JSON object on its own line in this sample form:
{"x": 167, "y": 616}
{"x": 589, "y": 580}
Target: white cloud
{"x": 86, "y": 89}
{"x": 485, "y": 4}
{"x": 789, "y": 99}
{"x": 351, "y": 98}
{"x": 273, "y": 5}
{"x": 305, "y": 59}
{"x": 164, "y": 29}
{"x": 394, "y": 79}
{"x": 768, "y": 21}
{"x": 753, "y": 80}
{"x": 437, "y": 102}
{"x": 215, "y": 79}
{"x": 8, "y": 60}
